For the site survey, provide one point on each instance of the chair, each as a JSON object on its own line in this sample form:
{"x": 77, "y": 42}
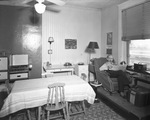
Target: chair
{"x": 3, "y": 94}
{"x": 45, "y": 73}
{"x": 56, "y": 100}
{"x": 77, "y": 107}
{"x": 110, "y": 84}
{"x": 8, "y": 86}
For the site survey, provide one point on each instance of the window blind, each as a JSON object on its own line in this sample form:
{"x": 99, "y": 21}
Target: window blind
{"x": 147, "y": 20}
{"x": 136, "y": 22}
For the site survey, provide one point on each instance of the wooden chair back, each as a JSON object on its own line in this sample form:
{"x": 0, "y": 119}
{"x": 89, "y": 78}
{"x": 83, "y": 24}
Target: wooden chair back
{"x": 56, "y": 96}
{"x": 8, "y": 86}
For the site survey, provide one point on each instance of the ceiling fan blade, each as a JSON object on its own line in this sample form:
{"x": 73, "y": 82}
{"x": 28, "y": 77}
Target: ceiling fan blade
{"x": 20, "y": 2}
{"x": 57, "y": 2}
{"x": 53, "y": 8}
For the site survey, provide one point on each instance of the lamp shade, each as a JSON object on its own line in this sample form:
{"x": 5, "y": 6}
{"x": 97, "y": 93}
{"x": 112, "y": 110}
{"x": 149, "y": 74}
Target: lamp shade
{"x": 40, "y": 8}
{"x": 50, "y": 39}
{"x": 93, "y": 45}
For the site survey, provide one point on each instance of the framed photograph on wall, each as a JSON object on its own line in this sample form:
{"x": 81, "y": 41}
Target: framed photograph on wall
{"x": 109, "y": 38}
{"x": 50, "y": 51}
{"x": 109, "y": 51}
{"x": 70, "y": 44}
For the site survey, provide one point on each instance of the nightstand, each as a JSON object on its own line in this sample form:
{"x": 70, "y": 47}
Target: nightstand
{"x": 82, "y": 70}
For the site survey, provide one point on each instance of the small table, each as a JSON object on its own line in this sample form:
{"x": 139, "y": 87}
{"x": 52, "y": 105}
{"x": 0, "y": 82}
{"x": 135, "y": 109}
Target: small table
{"x": 95, "y": 85}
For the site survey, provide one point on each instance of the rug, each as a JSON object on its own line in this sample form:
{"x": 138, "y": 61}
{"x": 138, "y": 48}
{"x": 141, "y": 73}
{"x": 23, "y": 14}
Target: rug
{"x": 96, "y": 111}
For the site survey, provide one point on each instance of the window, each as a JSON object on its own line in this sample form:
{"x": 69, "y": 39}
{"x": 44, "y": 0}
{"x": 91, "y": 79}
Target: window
{"x": 139, "y": 52}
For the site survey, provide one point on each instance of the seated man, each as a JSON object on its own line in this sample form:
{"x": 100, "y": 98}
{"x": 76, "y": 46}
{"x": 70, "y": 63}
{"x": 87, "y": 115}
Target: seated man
{"x": 113, "y": 72}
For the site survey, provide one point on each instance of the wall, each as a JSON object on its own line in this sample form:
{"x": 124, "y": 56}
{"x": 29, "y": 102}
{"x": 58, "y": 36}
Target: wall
{"x": 70, "y": 23}
{"x": 122, "y": 53}
{"x": 109, "y": 18}
{"x": 111, "y": 22}
{"x": 20, "y": 33}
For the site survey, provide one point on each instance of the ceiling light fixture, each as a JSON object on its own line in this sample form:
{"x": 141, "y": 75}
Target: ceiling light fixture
{"x": 40, "y": 7}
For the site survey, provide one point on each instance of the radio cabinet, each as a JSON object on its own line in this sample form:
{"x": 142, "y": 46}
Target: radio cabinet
{"x": 3, "y": 68}
{"x": 3, "y": 75}
{"x": 18, "y": 76}
{"x": 18, "y": 72}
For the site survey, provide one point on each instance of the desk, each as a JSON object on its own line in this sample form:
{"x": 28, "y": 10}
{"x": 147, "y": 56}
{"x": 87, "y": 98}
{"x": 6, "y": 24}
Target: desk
{"x": 33, "y": 93}
{"x": 59, "y": 69}
{"x": 143, "y": 77}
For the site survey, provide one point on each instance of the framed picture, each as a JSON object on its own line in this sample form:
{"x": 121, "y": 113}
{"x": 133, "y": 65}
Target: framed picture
{"x": 109, "y": 38}
{"x": 109, "y": 51}
{"x": 50, "y": 51}
{"x": 70, "y": 44}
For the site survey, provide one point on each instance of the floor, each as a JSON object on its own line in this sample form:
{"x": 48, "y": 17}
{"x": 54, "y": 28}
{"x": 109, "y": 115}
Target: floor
{"x": 96, "y": 111}
{"x": 123, "y": 107}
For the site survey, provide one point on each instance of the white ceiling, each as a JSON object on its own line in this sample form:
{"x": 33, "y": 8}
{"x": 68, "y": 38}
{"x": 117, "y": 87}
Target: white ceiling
{"x": 98, "y": 4}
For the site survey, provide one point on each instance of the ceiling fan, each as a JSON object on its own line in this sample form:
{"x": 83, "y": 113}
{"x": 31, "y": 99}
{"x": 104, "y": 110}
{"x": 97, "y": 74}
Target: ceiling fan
{"x": 39, "y": 5}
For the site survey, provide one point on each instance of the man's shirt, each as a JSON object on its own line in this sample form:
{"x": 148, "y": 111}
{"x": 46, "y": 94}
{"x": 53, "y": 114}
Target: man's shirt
{"x": 109, "y": 66}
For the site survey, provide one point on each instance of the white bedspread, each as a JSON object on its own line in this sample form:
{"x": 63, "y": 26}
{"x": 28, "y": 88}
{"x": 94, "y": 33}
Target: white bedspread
{"x": 33, "y": 92}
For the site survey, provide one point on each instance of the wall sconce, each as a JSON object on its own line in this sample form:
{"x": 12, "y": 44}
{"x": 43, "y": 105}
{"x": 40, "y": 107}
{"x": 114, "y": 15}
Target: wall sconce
{"x": 40, "y": 7}
{"x": 50, "y": 40}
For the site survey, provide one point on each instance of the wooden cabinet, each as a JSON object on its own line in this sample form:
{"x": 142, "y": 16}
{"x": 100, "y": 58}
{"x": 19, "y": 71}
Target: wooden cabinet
{"x": 82, "y": 69}
{"x": 3, "y": 68}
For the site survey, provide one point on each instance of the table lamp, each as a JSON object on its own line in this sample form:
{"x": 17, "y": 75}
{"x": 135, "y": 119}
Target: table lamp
{"x": 92, "y": 46}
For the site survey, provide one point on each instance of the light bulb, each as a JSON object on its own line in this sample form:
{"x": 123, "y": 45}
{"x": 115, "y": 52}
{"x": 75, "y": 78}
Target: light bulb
{"x": 40, "y": 8}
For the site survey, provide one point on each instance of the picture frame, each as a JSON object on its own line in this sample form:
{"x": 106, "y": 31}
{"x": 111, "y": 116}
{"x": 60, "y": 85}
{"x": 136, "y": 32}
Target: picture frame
{"x": 70, "y": 43}
{"x": 109, "y": 38}
{"x": 50, "y": 51}
{"x": 109, "y": 51}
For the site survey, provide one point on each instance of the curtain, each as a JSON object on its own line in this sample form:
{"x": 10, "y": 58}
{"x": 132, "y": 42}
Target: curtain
{"x": 136, "y": 22}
